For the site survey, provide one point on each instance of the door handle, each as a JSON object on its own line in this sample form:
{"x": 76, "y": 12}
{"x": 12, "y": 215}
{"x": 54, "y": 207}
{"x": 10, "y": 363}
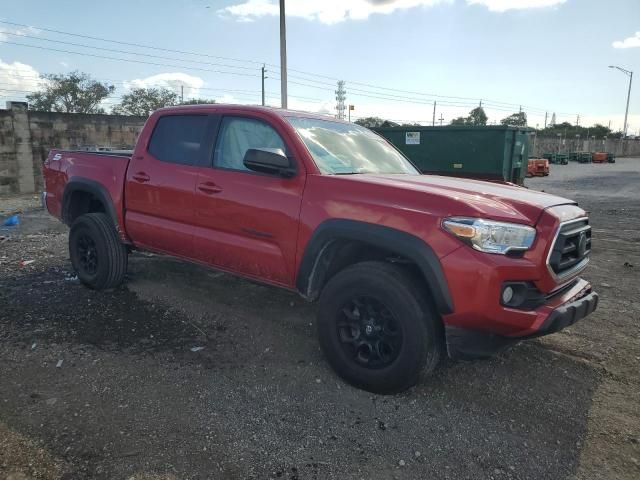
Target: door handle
{"x": 141, "y": 177}
{"x": 209, "y": 188}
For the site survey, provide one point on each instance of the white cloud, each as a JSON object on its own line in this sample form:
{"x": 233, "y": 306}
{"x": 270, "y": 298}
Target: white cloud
{"x": 335, "y": 11}
{"x": 327, "y": 11}
{"x": 172, "y": 81}
{"x": 327, "y": 107}
{"x": 17, "y": 80}
{"x": 504, "y": 5}
{"x": 631, "y": 42}
{"x": 229, "y": 99}
{"x": 31, "y": 31}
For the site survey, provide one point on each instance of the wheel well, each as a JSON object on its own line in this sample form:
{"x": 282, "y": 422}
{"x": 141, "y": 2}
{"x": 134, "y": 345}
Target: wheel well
{"x": 341, "y": 253}
{"x": 80, "y": 202}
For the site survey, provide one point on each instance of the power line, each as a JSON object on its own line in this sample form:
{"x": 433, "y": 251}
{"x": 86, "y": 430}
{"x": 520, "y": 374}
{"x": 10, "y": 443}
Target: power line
{"x": 160, "y": 85}
{"x": 128, "y": 60}
{"x": 369, "y": 85}
{"x": 140, "y": 45}
{"x": 128, "y": 52}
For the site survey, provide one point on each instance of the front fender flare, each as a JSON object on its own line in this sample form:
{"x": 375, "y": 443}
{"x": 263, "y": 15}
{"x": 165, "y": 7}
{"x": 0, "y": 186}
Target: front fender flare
{"x": 396, "y": 241}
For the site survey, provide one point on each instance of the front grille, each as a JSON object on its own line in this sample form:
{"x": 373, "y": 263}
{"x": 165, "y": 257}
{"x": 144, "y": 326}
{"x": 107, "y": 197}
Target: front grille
{"x": 572, "y": 247}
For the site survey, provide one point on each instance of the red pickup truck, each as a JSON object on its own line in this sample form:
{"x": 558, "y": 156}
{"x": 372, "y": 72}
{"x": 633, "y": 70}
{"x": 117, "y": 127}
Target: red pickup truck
{"x": 406, "y": 267}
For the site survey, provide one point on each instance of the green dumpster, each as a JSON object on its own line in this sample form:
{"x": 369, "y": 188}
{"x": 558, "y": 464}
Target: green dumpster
{"x": 557, "y": 158}
{"x": 491, "y": 152}
{"x": 584, "y": 157}
{"x": 611, "y": 158}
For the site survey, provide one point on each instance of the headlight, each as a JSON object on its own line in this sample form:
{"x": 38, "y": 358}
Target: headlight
{"x": 489, "y": 236}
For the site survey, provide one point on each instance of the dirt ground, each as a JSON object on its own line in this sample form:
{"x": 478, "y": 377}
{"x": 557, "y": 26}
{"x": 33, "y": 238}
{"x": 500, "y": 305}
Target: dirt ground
{"x": 187, "y": 373}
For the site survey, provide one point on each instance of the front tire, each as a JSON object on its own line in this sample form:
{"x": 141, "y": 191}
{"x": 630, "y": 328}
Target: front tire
{"x": 96, "y": 253}
{"x": 376, "y": 328}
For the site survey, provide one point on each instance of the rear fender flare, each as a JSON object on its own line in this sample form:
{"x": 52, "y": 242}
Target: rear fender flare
{"x": 81, "y": 184}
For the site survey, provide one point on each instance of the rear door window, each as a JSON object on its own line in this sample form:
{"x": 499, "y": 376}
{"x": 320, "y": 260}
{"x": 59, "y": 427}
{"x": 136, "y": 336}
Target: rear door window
{"x": 180, "y": 139}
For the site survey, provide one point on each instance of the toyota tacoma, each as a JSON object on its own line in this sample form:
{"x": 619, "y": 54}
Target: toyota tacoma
{"x": 406, "y": 267}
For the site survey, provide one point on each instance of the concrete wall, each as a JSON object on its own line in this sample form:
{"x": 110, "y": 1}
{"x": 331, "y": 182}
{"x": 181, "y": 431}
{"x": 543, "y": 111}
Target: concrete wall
{"x": 619, "y": 147}
{"x": 26, "y": 138}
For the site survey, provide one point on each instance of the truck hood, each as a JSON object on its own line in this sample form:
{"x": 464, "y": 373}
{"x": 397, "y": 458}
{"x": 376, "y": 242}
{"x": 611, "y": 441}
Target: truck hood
{"x": 474, "y": 197}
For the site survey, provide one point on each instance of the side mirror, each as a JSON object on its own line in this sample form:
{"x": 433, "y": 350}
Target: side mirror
{"x": 268, "y": 160}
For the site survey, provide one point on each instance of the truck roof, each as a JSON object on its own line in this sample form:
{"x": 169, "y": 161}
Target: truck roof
{"x": 228, "y": 108}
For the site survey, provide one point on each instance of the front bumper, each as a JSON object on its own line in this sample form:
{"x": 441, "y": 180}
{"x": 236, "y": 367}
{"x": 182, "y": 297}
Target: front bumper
{"x": 466, "y": 344}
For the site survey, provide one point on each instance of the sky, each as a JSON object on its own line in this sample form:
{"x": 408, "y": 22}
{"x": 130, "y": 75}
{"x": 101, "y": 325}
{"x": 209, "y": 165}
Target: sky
{"x": 396, "y": 56}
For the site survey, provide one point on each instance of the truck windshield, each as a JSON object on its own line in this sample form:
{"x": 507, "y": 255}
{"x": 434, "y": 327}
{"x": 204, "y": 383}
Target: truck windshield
{"x": 345, "y": 148}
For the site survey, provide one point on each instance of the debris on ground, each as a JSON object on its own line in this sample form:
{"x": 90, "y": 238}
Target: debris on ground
{"x": 628, "y": 265}
{"x": 24, "y": 263}
{"x": 196, "y": 349}
{"x": 12, "y": 221}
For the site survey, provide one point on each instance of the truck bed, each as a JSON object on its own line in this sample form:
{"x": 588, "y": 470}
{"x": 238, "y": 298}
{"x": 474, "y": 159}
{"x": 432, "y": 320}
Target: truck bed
{"x": 99, "y": 173}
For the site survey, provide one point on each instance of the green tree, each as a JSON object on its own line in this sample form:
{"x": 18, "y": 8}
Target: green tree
{"x": 477, "y": 116}
{"x": 144, "y": 101}
{"x": 74, "y": 92}
{"x": 198, "y": 101}
{"x": 518, "y": 119}
{"x": 373, "y": 122}
{"x": 570, "y": 131}
{"x": 460, "y": 121}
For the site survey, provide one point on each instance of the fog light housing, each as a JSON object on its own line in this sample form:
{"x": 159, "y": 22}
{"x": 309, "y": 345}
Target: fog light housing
{"x": 521, "y": 295}
{"x": 507, "y": 295}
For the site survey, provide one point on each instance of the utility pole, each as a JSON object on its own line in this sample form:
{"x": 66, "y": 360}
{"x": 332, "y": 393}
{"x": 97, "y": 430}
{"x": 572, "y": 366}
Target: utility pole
{"x": 629, "y": 73}
{"x": 181, "y": 93}
{"x": 341, "y": 96}
{"x": 609, "y": 124}
{"x": 263, "y": 77}
{"x": 480, "y": 103}
{"x": 283, "y": 56}
{"x": 441, "y": 119}
{"x": 545, "y": 119}
{"x": 433, "y": 124}
{"x": 351, "y": 107}
{"x": 578, "y": 120}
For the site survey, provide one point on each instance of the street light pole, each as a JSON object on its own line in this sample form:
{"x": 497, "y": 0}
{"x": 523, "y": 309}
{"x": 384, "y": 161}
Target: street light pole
{"x": 626, "y": 112}
{"x": 629, "y": 73}
{"x": 263, "y": 77}
{"x": 283, "y": 56}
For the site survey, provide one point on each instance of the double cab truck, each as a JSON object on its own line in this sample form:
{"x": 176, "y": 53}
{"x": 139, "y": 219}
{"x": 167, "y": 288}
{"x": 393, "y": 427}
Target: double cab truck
{"x": 406, "y": 267}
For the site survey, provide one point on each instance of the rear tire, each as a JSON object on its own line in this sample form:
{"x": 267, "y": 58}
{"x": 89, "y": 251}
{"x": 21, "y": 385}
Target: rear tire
{"x": 376, "y": 328}
{"x": 96, "y": 253}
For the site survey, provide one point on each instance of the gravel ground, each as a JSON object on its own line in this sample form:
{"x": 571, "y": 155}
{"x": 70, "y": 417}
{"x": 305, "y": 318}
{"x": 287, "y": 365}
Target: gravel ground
{"x": 187, "y": 373}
